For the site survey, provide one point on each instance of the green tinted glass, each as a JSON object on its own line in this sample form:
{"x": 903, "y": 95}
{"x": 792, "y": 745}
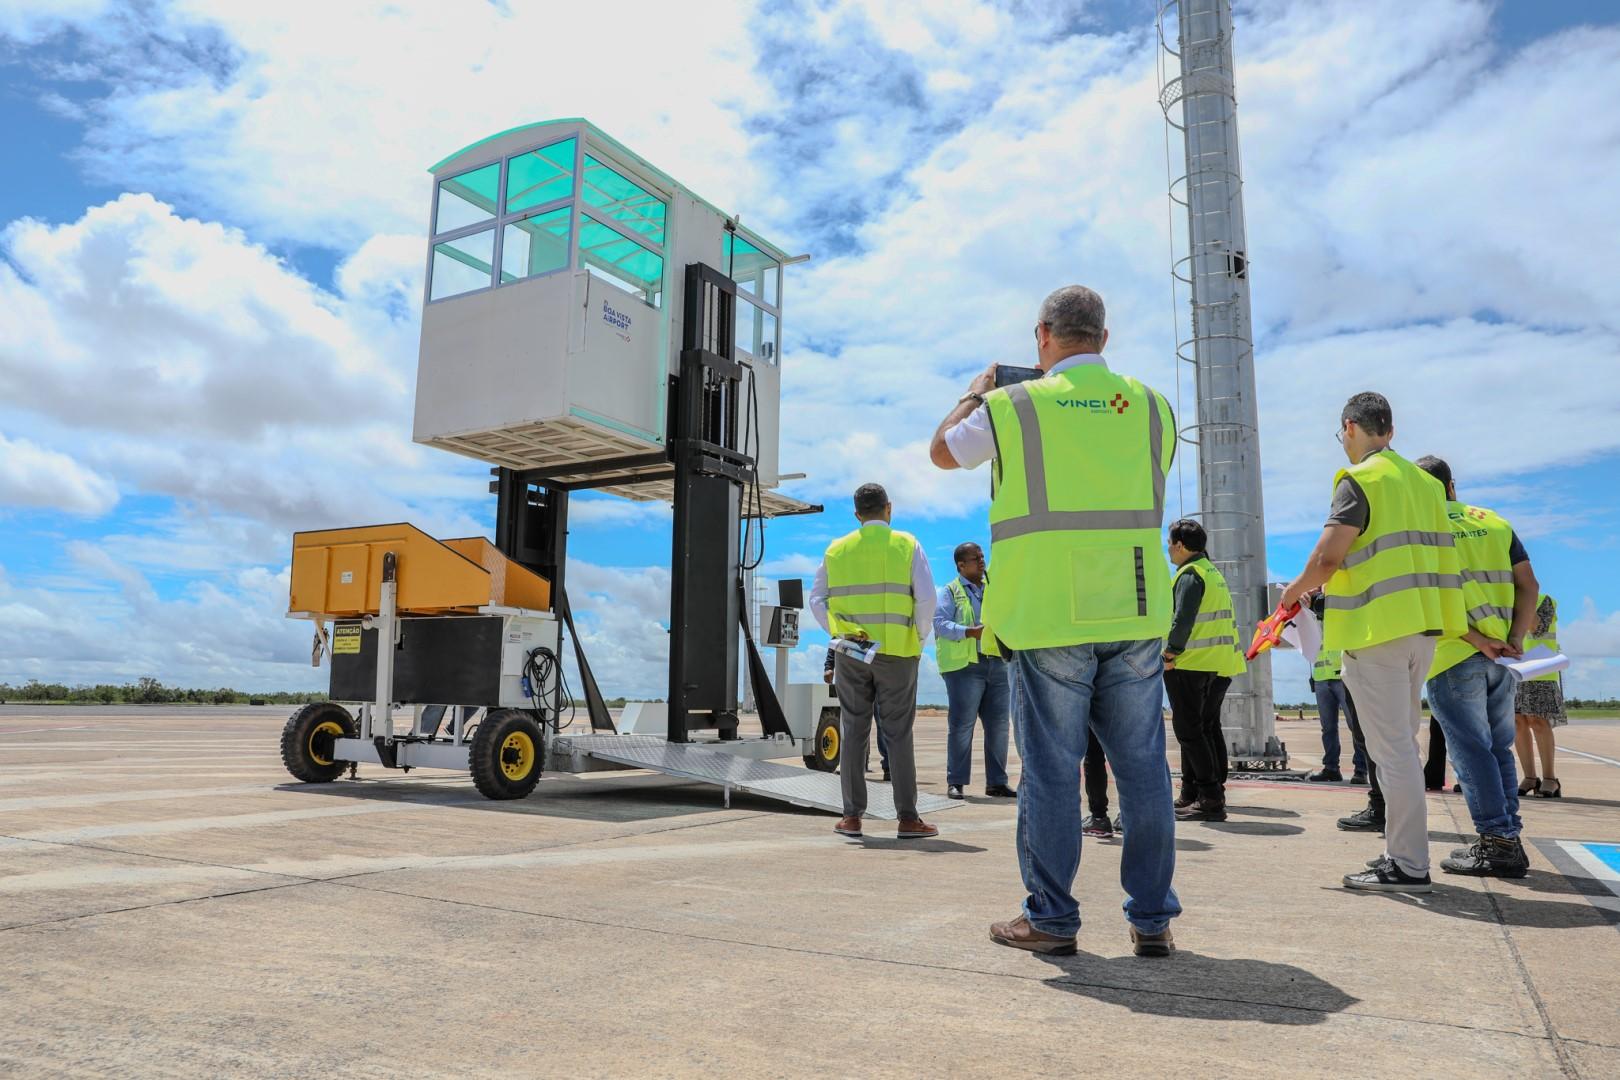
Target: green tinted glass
{"x": 535, "y": 245}
{"x": 621, "y": 260}
{"x": 462, "y": 265}
{"x": 752, "y": 269}
{"x": 540, "y": 176}
{"x": 612, "y": 196}
{"x": 467, "y": 198}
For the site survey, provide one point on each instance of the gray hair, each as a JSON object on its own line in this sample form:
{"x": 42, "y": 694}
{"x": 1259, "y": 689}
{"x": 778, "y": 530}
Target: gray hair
{"x": 1075, "y": 315}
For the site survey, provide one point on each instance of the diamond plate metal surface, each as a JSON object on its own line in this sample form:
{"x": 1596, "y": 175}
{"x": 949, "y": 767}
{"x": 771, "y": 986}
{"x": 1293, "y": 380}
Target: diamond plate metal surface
{"x": 799, "y": 786}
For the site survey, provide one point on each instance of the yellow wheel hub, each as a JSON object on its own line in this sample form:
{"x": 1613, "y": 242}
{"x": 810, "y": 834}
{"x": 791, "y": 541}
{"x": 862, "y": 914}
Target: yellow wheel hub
{"x": 517, "y": 755}
{"x": 829, "y": 743}
{"x": 325, "y": 727}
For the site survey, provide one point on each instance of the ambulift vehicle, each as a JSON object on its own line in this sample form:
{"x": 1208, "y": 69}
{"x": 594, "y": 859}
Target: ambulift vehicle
{"x": 576, "y": 336}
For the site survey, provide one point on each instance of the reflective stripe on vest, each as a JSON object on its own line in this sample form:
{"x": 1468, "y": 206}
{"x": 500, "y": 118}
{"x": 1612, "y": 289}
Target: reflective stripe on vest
{"x": 1402, "y": 576}
{"x": 956, "y": 655}
{"x": 1077, "y": 503}
{"x": 1213, "y": 646}
{"x": 1549, "y": 639}
{"x": 869, "y": 588}
{"x": 1484, "y": 542}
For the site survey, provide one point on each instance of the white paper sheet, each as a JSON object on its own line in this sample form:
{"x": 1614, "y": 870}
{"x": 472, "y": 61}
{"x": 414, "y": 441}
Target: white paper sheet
{"x": 1538, "y": 661}
{"x": 1304, "y": 633}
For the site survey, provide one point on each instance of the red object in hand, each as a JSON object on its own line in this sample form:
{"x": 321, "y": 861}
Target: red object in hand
{"x": 1269, "y": 632}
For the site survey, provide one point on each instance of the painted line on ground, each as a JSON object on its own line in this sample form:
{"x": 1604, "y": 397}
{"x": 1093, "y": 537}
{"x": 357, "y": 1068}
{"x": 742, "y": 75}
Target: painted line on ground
{"x": 1584, "y": 754}
{"x": 198, "y": 824}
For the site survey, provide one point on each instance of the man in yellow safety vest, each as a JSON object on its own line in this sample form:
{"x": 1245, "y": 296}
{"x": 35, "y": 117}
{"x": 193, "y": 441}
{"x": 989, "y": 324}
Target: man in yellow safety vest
{"x": 1080, "y": 595}
{"x": 1470, "y": 694}
{"x": 976, "y": 686}
{"x": 874, "y": 586}
{"x": 1200, "y": 658}
{"x": 1393, "y": 584}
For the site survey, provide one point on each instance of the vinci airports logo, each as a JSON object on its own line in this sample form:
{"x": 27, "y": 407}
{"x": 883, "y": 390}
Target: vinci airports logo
{"x": 1097, "y": 406}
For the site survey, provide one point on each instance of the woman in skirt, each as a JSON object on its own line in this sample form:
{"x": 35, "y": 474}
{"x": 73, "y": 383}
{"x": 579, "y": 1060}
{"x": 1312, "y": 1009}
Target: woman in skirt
{"x": 1538, "y": 708}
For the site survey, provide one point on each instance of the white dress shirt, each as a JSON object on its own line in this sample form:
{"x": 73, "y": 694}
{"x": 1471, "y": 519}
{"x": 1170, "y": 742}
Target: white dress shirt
{"x": 922, "y": 592}
{"x": 971, "y": 441}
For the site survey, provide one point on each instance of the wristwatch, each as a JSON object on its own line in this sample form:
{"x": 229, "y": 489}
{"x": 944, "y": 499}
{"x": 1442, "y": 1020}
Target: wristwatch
{"x": 973, "y": 395}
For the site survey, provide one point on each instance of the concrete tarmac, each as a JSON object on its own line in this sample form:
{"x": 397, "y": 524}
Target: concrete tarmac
{"x": 172, "y": 904}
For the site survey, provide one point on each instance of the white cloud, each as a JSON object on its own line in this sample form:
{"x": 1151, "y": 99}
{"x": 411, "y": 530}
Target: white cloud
{"x": 31, "y": 475}
{"x": 315, "y": 122}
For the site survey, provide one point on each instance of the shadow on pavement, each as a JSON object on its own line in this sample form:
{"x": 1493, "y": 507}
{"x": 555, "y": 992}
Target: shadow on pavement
{"x": 1253, "y": 828}
{"x": 625, "y": 798}
{"x": 1260, "y": 811}
{"x": 1194, "y": 987}
{"x": 889, "y": 843}
{"x": 1499, "y": 907}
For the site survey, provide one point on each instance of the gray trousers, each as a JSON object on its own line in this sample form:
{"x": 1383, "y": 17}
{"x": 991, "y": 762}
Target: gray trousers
{"x": 1387, "y": 684}
{"x": 890, "y": 682}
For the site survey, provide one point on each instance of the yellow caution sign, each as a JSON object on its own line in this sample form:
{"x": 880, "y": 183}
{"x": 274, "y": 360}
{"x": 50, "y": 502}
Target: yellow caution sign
{"x": 345, "y": 639}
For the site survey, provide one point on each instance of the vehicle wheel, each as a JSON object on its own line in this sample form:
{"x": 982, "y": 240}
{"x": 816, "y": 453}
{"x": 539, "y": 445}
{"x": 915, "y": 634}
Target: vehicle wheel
{"x": 507, "y": 754}
{"x": 306, "y": 742}
{"x": 828, "y": 741}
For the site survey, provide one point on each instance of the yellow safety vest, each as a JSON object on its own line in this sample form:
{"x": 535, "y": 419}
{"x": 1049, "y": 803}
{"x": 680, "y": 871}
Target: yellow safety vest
{"x": 869, "y": 588}
{"x": 1213, "y": 645}
{"x": 1329, "y": 665}
{"x": 1402, "y": 576}
{"x": 956, "y": 655}
{"x": 1549, "y": 639}
{"x": 1076, "y": 508}
{"x": 1483, "y": 540}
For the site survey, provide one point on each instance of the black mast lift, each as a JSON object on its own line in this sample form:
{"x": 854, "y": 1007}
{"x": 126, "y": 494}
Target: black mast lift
{"x": 710, "y": 468}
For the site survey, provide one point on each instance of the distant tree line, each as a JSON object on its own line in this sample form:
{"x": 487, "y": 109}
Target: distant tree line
{"x": 147, "y": 691}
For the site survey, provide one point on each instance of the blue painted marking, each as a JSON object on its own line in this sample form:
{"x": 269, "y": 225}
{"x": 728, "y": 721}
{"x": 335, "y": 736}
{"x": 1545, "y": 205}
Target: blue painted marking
{"x": 1607, "y": 854}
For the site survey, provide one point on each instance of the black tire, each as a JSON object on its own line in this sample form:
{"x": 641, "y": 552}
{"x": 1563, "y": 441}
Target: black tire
{"x": 828, "y": 742}
{"x": 306, "y": 742}
{"x": 508, "y": 754}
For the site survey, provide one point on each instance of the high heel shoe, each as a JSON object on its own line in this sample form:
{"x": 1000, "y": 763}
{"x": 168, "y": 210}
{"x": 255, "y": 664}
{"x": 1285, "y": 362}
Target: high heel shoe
{"x": 1529, "y": 784}
{"x": 1555, "y": 792}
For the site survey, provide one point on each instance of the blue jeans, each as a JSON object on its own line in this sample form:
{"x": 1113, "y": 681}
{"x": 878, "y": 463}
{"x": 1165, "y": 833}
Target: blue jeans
{"x": 1473, "y": 702}
{"x": 1115, "y": 691}
{"x": 1332, "y": 699}
{"x": 977, "y": 692}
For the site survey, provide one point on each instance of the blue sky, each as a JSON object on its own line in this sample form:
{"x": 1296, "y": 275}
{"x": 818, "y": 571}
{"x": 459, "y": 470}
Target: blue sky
{"x": 211, "y": 260}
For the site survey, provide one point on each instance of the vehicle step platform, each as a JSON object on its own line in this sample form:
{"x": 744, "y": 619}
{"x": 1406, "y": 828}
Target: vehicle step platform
{"x": 707, "y": 765}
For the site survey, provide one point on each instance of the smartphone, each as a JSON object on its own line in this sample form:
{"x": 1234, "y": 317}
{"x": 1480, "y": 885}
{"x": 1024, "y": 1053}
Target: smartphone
{"x": 1007, "y": 374}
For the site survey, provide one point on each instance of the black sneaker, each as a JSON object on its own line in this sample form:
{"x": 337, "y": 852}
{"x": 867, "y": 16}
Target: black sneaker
{"x": 1387, "y": 877}
{"x": 1186, "y": 798}
{"x": 1367, "y": 820}
{"x": 1359, "y": 779}
{"x": 1491, "y": 856}
{"x": 1119, "y": 825}
{"x": 1326, "y": 776}
{"x": 954, "y": 792}
{"x": 1097, "y": 825}
{"x": 1378, "y": 860}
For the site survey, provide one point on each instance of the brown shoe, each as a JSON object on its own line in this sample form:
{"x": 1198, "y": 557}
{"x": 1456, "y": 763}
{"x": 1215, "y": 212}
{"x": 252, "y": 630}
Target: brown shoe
{"x": 1160, "y": 944}
{"x": 916, "y": 829}
{"x": 849, "y": 826}
{"x": 1186, "y": 798}
{"x": 1020, "y": 935}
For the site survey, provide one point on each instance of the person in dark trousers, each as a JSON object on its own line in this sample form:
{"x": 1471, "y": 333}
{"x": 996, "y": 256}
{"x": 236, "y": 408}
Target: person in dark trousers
{"x": 1332, "y": 700}
{"x": 1434, "y": 766}
{"x": 1200, "y": 658}
{"x": 1094, "y": 772}
{"x": 882, "y": 740}
{"x": 1371, "y": 817}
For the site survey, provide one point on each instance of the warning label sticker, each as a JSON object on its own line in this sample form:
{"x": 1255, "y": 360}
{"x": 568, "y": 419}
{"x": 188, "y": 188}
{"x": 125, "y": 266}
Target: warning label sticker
{"x": 345, "y": 639}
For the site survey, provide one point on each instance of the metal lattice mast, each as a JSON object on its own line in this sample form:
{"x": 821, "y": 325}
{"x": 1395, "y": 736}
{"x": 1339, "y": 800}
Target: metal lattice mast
{"x": 1196, "y": 94}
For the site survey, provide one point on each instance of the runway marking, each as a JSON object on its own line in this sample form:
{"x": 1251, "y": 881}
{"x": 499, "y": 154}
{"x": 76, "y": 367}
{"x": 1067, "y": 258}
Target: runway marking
{"x": 198, "y": 824}
{"x": 58, "y": 802}
{"x": 1600, "y": 861}
{"x": 1584, "y": 754}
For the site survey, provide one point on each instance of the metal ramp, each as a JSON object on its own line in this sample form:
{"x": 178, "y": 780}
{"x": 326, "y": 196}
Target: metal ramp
{"x": 704, "y": 765}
